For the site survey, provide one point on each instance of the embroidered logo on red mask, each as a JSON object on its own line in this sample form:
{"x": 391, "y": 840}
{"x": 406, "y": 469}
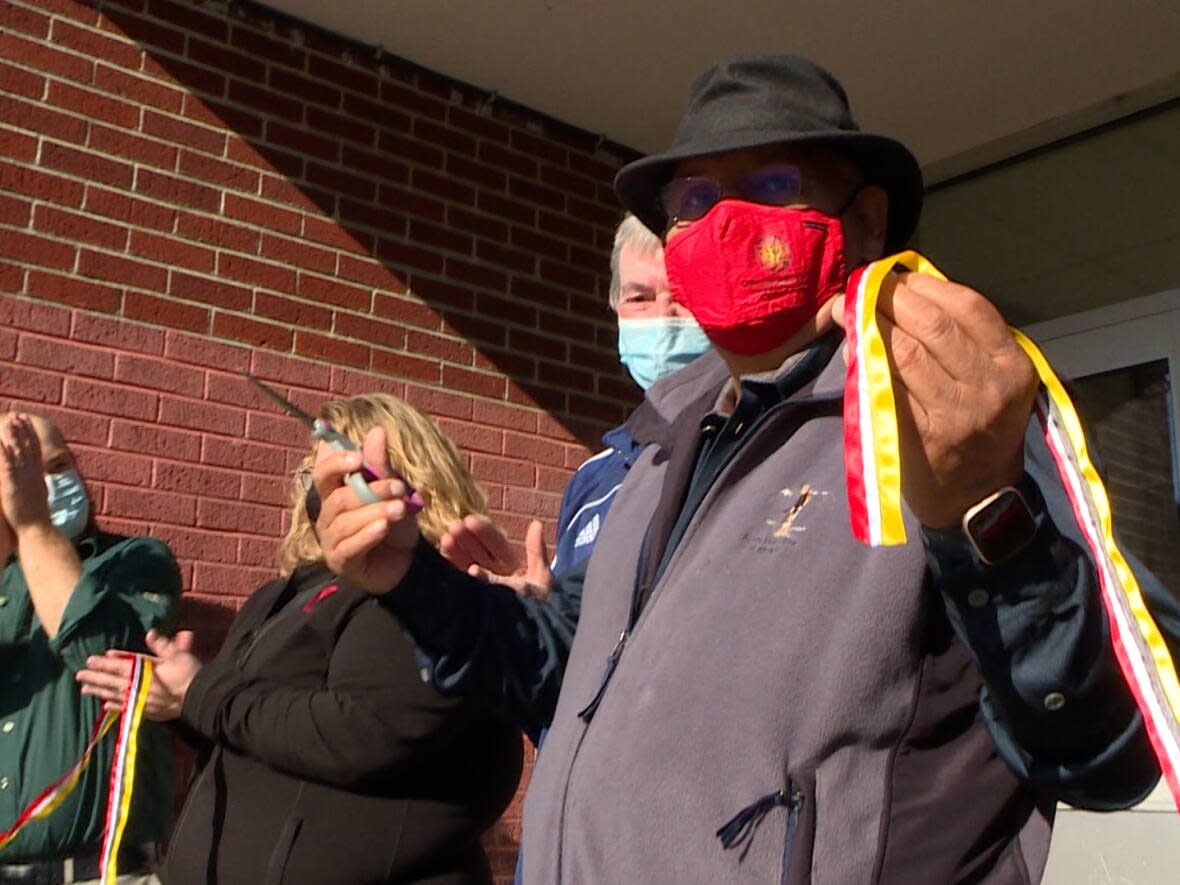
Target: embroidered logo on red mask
{"x": 774, "y": 254}
{"x": 753, "y": 275}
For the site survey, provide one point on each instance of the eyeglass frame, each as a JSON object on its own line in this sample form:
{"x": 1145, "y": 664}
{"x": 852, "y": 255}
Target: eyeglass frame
{"x": 743, "y": 192}
{"x": 303, "y": 475}
{"x": 746, "y": 190}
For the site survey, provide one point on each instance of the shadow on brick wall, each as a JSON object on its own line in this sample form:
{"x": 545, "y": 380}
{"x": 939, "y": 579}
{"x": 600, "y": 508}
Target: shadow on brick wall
{"x": 373, "y": 214}
{"x": 209, "y": 619}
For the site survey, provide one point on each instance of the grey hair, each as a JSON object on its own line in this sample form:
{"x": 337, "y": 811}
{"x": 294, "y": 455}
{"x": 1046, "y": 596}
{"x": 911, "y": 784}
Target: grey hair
{"x": 632, "y": 234}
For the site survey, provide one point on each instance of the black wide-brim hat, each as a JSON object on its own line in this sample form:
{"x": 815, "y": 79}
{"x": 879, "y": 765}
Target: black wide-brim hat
{"x": 781, "y": 99}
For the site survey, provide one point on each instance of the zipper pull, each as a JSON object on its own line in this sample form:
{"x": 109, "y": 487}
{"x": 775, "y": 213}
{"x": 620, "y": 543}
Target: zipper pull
{"x": 740, "y": 829}
{"x": 587, "y": 712}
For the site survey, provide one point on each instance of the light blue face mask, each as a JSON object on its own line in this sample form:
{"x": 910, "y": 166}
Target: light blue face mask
{"x": 653, "y": 347}
{"x": 69, "y": 506}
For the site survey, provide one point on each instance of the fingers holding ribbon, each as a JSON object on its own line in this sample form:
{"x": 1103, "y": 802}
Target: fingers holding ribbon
{"x": 108, "y": 675}
{"x": 964, "y": 391}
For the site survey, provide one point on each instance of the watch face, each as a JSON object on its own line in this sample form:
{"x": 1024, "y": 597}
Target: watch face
{"x": 1000, "y": 526}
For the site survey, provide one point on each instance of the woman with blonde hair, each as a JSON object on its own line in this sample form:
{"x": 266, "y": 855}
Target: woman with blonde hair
{"x": 325, "y": 755}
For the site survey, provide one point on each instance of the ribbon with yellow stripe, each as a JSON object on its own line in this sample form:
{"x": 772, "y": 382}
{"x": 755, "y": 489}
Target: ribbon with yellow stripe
{"x": 118, "y": 806}
{"x": 873, "y": 467}
{"x": 123, "y": 767}
{"x": 55, "y": 794}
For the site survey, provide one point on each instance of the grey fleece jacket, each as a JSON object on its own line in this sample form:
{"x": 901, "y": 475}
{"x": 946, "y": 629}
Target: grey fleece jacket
{"x": 790, "y": 706}
{"x": 806, "y": 690}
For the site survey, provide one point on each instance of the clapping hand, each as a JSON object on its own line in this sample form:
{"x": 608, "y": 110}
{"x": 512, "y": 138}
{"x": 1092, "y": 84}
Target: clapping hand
{"x": 106, "y": 676}
{"x": 24, "y": 500}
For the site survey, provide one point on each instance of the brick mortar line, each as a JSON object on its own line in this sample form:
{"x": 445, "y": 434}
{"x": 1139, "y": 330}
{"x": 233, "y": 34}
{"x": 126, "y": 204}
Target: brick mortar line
{"x": 90, "y": 86}
{"x": 163, "y": 459}
{"x": 302, "y": 390}
{"x": 258, "y": 195}
{"x": 255, "y": 289}
{"x": 437, "y": 388}
{"x": 118, "y": 318}
{"x": 88, "y": 183}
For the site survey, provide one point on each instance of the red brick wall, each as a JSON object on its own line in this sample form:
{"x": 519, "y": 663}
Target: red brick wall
{"x": 187, "y": 189}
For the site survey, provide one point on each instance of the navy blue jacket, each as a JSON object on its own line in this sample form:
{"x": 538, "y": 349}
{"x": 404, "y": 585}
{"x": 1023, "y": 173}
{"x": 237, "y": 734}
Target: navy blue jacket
{"x": 588, "y": 497}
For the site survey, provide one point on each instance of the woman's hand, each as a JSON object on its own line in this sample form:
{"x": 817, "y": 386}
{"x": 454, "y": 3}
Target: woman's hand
{"x": 371, "y": 545}
{"x": 174, "y": 666}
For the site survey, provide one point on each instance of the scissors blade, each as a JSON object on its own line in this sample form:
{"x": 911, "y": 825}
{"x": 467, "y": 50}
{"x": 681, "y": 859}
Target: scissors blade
{"x": 288, "y": 406}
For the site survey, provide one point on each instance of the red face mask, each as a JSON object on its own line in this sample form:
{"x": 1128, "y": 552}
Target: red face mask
{"x": 753, "y": 275}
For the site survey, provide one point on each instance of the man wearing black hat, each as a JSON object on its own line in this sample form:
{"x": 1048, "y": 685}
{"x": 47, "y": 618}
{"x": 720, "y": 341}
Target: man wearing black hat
{"x": 753, "y": 695}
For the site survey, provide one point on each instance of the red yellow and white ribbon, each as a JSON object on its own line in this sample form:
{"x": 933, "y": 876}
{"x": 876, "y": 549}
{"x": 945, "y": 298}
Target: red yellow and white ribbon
{"x": 123, "y": 767}
{"x": 871, "y": 453}
{"x": 55, "y": 794}
{"x": 873, "y": 467}
{"x": 51, "y": 798}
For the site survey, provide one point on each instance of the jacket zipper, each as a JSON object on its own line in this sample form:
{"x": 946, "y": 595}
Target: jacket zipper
{"x": 586, "y": 714}
{"x": 793, "y": 809}
{"x": 612, "y": 661}
{"x": 241, "y": 657}
{"x": 297, "y": 599}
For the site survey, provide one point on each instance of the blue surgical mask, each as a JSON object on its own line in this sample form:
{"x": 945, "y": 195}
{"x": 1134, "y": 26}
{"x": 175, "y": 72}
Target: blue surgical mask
{"x": 653, "y": 347}
{"x": 69, "y": 506}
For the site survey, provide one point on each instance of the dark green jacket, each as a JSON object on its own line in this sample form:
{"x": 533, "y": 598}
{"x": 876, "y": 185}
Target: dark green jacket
{"x": 127, "y": 586}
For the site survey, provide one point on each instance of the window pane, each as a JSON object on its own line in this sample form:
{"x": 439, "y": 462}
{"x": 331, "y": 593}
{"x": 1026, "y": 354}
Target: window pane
{"x": 1127, "y": 415}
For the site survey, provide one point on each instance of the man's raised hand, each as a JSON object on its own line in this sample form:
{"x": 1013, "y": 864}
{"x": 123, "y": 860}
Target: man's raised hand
{"x": 479, "y": 548}
{"x": 23, "y": 496}
{"x": 964, "y": 391}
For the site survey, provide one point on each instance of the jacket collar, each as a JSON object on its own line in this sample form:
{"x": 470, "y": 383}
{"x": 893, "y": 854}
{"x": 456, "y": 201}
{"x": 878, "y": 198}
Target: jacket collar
{"x": 687, "y": 396}
{"x": 811, "y": 374}
{"x": 692, "y": 389}
{"x": 620, "y": 440}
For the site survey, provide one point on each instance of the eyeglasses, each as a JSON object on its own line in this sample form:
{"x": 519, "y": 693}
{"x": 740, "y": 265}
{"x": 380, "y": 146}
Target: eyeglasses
{"x": 303, "y": 475}
{"x": 687, "y": 199}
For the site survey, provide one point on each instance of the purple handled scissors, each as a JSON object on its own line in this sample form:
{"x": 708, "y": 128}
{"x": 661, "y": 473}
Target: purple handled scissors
{"x": 322, "y": 430}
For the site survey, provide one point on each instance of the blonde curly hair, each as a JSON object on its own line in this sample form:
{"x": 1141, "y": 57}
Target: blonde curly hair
{"x": 418, "y": 450}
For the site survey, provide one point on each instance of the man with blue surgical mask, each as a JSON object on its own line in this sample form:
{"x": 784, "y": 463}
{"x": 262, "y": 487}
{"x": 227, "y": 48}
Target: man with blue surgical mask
{"x": 657, "y": 336}
{"x": 69, "y": 590}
